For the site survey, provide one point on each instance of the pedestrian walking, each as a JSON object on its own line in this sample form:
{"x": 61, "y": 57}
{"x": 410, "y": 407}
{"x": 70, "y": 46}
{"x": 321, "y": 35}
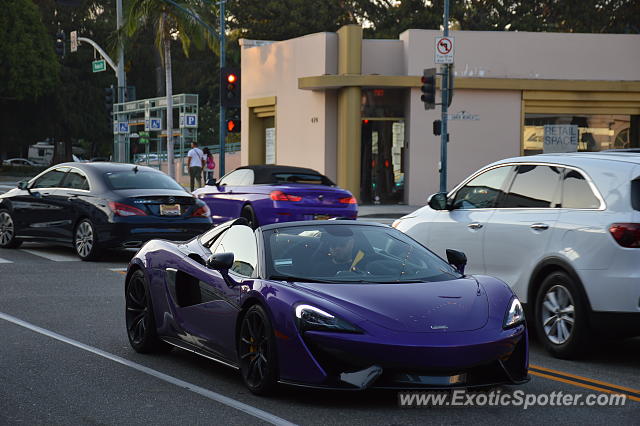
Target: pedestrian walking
{"x": 209, "y": 165}
{"x": 196, "y": 163}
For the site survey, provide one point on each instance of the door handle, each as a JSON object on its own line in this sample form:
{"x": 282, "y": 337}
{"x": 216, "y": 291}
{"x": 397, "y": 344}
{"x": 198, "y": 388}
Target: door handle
{"x": 539, "y": 226}
{"x": 475, "y": 225}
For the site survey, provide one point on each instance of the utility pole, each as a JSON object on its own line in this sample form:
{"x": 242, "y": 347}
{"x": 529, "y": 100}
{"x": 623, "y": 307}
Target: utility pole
{"x": 444, "y": 90}
{"x": 122, "y": 85}
{"x": 223, "y": 127}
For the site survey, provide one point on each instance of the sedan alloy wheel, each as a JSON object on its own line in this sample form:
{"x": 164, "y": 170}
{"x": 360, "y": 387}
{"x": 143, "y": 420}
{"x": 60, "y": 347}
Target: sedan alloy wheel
{"x": 7, "y": 231}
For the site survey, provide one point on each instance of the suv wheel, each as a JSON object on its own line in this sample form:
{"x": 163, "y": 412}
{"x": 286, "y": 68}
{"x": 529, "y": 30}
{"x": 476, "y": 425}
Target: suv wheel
{"x": 561, "y": 316}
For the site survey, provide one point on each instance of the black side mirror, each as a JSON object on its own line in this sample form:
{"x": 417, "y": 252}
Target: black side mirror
{"x": 438, "y": 201}
{"x": 457, "y": 259}
{"x": 212, "y": 182}
{"x": 23, "y": 184}
{"x": 220, "y": 261}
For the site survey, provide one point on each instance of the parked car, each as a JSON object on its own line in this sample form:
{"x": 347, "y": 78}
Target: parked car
{"x": 94, "y": 206}
{"x": 18, "y": 162}
{"x": 330, "y": 304}
{"x": 270, "y": 194}
{"x": 562, "y": 229}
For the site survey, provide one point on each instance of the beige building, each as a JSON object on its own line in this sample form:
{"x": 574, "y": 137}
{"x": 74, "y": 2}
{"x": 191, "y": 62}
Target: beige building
{"x": 350, "y": 107}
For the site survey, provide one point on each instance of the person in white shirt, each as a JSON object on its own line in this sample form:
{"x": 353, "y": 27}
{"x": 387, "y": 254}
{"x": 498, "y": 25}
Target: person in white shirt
{"x": 196, "y": 162}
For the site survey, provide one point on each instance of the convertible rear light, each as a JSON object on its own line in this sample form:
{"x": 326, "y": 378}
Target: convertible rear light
{"x": 201, "y": 211}
{"x": 120, "y": 209}
{"x": 626, "y": 234}
{"x": 348, "y": 200}
{"x": 281, "y": 196}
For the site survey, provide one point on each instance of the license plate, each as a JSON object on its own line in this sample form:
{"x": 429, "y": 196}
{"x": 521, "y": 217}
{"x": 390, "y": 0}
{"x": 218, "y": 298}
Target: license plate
{"x": 321, "y": 217}
{"x": 170, "y": 209}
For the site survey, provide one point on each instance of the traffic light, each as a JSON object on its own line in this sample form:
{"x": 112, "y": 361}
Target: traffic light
{"x": 230, "y": 87}
{"x": 437, "y": 127}
{"x": 60, "y": 43}
{"x": 109, "y": 96}
{"x": 233, "y": 125}
{"x": 428, "y": 88}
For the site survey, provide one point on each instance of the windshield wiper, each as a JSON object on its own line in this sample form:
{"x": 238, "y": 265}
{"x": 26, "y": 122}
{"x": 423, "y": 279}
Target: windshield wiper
{"x": 299, "y": 279}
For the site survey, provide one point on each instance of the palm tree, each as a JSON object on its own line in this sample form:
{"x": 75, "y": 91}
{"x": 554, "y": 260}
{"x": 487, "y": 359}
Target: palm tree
{"x": 171, "y": 20}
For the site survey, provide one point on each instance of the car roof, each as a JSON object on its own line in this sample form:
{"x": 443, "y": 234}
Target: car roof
{"x": 321, "y": 222}
{"x": 576, "y": 158}
{"x": 105, "y": 166}
{"x": 263, "y": 173}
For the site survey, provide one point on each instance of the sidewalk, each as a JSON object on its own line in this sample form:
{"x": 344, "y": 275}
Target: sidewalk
{"x": 387, "y": 211}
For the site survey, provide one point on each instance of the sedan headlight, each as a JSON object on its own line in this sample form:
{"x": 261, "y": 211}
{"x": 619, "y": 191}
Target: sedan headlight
{"x": 311, "y": 318}
{"x": 514, "y": 315}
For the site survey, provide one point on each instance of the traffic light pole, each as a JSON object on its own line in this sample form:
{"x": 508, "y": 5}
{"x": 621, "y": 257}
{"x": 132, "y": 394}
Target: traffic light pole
{"x": 444, "y": 90}
{"x": 122, "y": 83}
{"x": 223, "y": 127}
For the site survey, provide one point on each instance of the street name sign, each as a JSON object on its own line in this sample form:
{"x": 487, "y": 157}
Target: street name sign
{"x": 99, "y": 65}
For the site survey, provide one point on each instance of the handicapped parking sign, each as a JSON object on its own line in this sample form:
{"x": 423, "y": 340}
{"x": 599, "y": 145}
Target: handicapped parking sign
{"x": 122, "y": 127}
{"x": 155, "y": 124}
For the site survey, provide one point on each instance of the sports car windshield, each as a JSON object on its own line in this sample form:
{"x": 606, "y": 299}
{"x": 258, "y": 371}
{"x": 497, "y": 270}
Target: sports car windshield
{"x": 340, "y": 253}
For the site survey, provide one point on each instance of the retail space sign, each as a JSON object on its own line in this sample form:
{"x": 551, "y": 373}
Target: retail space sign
{"x": 560, "y": 138}
{"x": 444, "y": 50}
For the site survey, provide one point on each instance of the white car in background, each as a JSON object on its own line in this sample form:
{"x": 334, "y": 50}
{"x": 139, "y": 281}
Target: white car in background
{"x": 18, "y": 162}
{"x": 563, "y": 230}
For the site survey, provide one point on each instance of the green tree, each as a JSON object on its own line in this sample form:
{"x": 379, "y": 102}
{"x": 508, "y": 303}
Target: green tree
{"x": 171, "y": 20}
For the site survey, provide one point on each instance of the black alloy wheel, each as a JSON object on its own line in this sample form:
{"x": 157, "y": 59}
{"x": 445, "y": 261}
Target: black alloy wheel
{"x": 249, "y": 214}
{"x": 257, "y": 351}
{"x": 8, "y": 231}
{"x": 141, "y": 326}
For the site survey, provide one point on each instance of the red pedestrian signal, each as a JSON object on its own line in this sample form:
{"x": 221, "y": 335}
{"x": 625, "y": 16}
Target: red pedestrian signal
{"x": 233, "y": 126}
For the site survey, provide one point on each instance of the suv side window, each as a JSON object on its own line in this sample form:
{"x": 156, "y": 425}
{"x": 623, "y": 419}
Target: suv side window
{"x": 576, "y": 192}
{"x": 241, "y": 241}
{"x": 533, "y": 186}
{"x": 483, "y": 191}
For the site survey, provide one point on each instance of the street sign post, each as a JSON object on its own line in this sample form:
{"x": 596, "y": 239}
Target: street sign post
{"x": 74, "y": 41}
{"x": 99, "y": 65}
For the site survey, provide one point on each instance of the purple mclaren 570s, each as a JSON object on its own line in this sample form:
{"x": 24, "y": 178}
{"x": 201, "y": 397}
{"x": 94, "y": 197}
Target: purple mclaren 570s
{"x": 335, "y": 304}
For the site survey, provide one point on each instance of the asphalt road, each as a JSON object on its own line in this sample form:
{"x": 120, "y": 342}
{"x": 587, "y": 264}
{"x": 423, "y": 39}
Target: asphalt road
{"x": 65, "y": 359}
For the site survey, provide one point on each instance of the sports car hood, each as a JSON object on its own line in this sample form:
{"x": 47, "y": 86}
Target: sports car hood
{"x": 445, "y": 306}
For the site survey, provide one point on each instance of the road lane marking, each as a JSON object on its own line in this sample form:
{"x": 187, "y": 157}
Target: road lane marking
{"x": 5, "y": 260}
{"x": 53, "y": 255}
{"x": 593, "y": 384}
{"x": 230, "y": 402}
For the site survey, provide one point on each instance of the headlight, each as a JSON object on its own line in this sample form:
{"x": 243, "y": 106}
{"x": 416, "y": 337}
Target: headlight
{"x": 515, "y": 314}
{"x": 311, "y": 318}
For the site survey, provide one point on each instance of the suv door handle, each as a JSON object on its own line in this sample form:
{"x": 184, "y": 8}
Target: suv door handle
{"x": 539, "y": 226}
{"x": 475, "y": 225}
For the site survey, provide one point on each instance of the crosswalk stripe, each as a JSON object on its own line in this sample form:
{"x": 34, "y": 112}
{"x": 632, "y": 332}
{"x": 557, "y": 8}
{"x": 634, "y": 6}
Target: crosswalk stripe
{"x": 5, "y": 260}
{"x": 52, "y": 255}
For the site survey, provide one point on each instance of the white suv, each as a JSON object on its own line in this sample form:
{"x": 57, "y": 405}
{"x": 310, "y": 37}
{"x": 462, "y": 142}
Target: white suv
{"x": 563, "y": 230}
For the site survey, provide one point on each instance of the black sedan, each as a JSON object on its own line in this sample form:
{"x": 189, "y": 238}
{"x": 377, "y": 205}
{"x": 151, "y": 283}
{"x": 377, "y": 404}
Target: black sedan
{"x": 96, "y": 206}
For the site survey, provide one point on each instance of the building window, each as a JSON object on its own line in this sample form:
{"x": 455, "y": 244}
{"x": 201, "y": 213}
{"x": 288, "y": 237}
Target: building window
{"x": 595, "y": 132}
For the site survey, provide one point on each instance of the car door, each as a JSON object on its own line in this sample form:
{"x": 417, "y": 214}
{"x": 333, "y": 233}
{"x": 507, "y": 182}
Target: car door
{"x": 463, "y": 227}
{"x": 226, "y": 201}
{"x": 37, "y": 211}
{"x": 75, "y": 195}
{"x": 211, "y": 321}
{"x": 519, "y": 231}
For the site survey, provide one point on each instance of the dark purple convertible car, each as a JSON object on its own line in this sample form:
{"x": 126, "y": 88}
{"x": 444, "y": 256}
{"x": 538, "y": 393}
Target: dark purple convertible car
{"x": 328, "y": 304}
{"x": 267, "y": 194}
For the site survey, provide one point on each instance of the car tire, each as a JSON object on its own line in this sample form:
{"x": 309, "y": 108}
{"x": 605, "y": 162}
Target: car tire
{"x": 561, "y": 316}
{"x": 249, "y": 214}
{"x": 139, "y": 316}
{"x": 85, "y": 241}
{"x": 257, "y": 351}
{"x": 8, "y": 231}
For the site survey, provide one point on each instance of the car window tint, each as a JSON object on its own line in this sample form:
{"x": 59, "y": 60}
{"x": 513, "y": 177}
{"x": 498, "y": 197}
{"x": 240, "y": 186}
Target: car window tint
{"x": 635, "y": 194}
{"x": 304, "y": 178}
{"x": 482, "y": 191}
{"x": 50, "y": 179}
{"x": 576, "y": 192}
{"x": 238, "y": 177}
{"x": 241, "y": 241}
{"x": 132, "y": 179}
{"x": 75, "y": 179}
{"x": 534, "y": 186}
